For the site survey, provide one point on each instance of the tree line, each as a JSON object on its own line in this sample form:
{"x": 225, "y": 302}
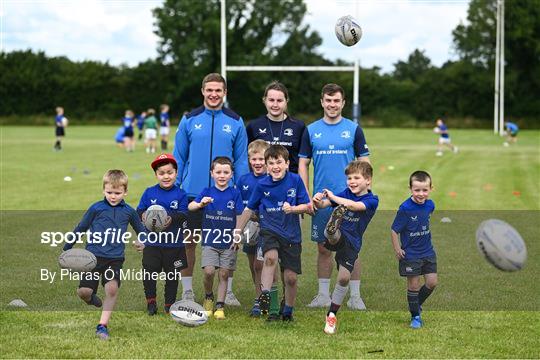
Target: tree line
{"x": 415, "y": 92}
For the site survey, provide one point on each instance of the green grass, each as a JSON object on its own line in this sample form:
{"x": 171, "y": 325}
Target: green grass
{"x": 476, "y": 312}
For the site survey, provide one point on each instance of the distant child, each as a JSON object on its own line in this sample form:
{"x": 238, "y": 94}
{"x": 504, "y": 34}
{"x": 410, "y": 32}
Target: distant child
{"x": 279, "y": 199}
{"x": 415, "y": 253}
{"x": 221, "y": 205}
{"x": 164, "y": 125}
{"x": 168, "y": 254}
{"x": 150, "y": 132}
{"x": 354, "y": 208}
{"x": 111, "y": 213}
{"x": 140, "y": 124}
{"x": 511, "y": 132}
{"x": 129, "y": 121}
{"x": 61, "y": 122}
{"x": 444, "y": 138}
{"x": 246, "y": 184}
{"x": 119, "y": 137}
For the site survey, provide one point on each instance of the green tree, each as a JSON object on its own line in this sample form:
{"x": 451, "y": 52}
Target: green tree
{"x": 417, "y": 64}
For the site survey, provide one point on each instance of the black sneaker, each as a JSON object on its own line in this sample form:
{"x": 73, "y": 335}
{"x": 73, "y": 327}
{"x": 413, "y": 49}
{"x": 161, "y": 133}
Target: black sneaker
{"x": 288, "y": 318}
{"x": 335, "y": 219}
{"x": 273, "y": 317}
{"x": 151, "y": 308}
{"x": 264, "y": 302}
{"x": 95, "y": 300}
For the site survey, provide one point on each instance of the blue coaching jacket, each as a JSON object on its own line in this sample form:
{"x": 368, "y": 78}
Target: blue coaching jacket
{"x": 202, "y": 135}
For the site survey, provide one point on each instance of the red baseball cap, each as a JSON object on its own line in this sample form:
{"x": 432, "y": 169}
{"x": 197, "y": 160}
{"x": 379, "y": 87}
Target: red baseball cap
{"x": 164, "y": 159}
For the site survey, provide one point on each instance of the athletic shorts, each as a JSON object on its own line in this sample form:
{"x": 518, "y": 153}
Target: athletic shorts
{"x": 60, "y": 131}
{"x": 106, "y": 268}
{"x": 416, "y": 267}
{"x": 163, "y": 130}
{"x": 318, "y": 224}
{"x": 218, "y": 258}
{"x": 128, "y": 133}
{"x": 150, "y": 134}
{"x": 168, "y": 259}
{"x": 289, "y": 254}
{"x": 444, "y": 140}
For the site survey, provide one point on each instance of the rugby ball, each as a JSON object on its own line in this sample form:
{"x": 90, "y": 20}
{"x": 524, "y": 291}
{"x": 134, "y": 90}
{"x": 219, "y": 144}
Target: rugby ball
{"x": 78, "y": 260}
{"x": 156, "y": 218}
{"x": 348, "y": 31}
{"x": 250, "y": 233}
{"x": 501, "y": 245}
{"x": 436, "y": 130}
{"x": 188, "y": 313}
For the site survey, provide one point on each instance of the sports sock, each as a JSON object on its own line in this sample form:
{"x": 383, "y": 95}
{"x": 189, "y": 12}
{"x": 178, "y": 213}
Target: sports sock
{"x": 187, "y": 283}
{"x": 339, "y": 294}
{"x": 414, "y": 306}
{"x": 287, "y": 310}
{"x": 355, "y": 287}
{"x": 324, "y": 286}
{"x": 333, "y": 309}
{"x": 424, "y": 294}
{"x": 220, "y": 305}
{"x": 229, "y": 284}
{"x": 274, "y": 303}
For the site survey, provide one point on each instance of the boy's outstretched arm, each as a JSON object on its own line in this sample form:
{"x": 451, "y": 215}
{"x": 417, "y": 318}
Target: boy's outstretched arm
{"x": 350, "y": 204}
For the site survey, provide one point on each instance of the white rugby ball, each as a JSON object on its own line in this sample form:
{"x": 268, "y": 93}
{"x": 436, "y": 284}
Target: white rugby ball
{"x": 251, "y": 233}
{"x": 188, "y": 313}
{"x": 156, "y": 218}
{"x": 348, "y": 31}
{"x": 501, "y": 245}
{"x": 78, "y": 260}
{"x": 436, "y": 130}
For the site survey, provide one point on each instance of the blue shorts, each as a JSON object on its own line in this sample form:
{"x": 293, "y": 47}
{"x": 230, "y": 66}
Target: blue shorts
{"x": 318, "y": 224}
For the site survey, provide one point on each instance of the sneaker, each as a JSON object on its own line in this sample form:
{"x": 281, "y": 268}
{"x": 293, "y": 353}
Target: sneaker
{"x": 273, "y": 317}
{"x": 231, "y": 300}
{"x": 288, "y": 318}
{"x": 438, "y": 153}
{"x": 331, "y": 323}
{"x": 335, "y": 219}
{"x": 416, "y": 322}
{"x": 255, "y": 310}
{"x": 264, "y": 302}
{"x": 94, "y": 300}
{"x": 208, "y": 305}
{"x": 320, "y": 300}
{"x": 219, "y": 314}
{"x": 188, "y": 295}
{"x": 456, "y": 149}
{"x": 102, "y": 332}
{"x": 356, "y": 303}
{"x": 151, "y": 308}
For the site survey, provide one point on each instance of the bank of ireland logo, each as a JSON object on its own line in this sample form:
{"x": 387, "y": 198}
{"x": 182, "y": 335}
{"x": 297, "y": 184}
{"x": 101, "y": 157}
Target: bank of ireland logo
{"x": 288, "y": 132}
{"x": 291, "y": 192}
{"x": 230, "y": 205}
{"x": 227, "y": 128}
{"x": 174, "y": 204}
{"x": 346, "y": 134}
{"x": 331, "y": 147}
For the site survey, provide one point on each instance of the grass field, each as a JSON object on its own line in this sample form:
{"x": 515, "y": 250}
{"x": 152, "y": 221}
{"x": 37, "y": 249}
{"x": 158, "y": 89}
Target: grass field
{"x": 476, "y": 312}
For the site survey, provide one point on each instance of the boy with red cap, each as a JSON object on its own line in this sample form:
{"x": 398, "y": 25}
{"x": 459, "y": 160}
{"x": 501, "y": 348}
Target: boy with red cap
{"x": 167, "y": 253}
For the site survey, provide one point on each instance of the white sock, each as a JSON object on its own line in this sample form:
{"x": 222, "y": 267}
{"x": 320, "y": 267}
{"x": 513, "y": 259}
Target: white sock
{"x": 339, "y": 294}
{"x": 187, "y": 283}
{"x": 355, "y": 287}
{"x": 324, "y": 287}
{"x": 229, "y": 284}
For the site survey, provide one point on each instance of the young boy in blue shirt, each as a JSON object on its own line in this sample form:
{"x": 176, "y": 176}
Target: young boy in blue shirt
{"x": 167, "y": 254}
{"x": 60, "y": 122}
{"x": 279, "y": 198}
{"x": 111, "y": 213}
{"x": 246, "y": 184}
{"x": 221, "y": 205}
{"x": 415, "y": 253}
{"x": 354, "y": 208}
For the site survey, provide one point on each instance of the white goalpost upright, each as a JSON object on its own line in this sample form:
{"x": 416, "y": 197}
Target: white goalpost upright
{"x": 498, "y": 113}
{"x": 355, "y": 69}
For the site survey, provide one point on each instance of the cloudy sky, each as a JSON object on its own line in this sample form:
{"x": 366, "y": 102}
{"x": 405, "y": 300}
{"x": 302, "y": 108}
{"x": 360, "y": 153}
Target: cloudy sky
{"x": 122, "y": 31}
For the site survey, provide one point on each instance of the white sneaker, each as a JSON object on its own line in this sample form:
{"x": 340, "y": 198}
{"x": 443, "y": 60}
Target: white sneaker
{"x": 331, "y": 323}
{"x": 456, "y": 149}
{"x": 188, "y": 295}
{"x": 320, "y": 300}
{"x": 231, "y": 300}
{"x": 356, "y": 303}
{"x": 438, "y": 153}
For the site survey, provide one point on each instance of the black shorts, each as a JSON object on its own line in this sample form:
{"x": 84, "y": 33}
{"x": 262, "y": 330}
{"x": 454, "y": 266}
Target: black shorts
{"x": 416, "y": 267}
{"x": 128, "y": 133}
{"x": 346, "y": 255}
{"x": 106, "y": 268}
{"x": 289, "y": 254}
{"x": 167, "y": 259}
{"x": 194, "y": 218}
{"x": 60, "y": 131}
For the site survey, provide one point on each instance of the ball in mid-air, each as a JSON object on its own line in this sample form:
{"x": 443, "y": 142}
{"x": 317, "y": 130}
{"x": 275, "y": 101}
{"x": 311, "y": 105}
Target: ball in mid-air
{"x": 348, "y": 31}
